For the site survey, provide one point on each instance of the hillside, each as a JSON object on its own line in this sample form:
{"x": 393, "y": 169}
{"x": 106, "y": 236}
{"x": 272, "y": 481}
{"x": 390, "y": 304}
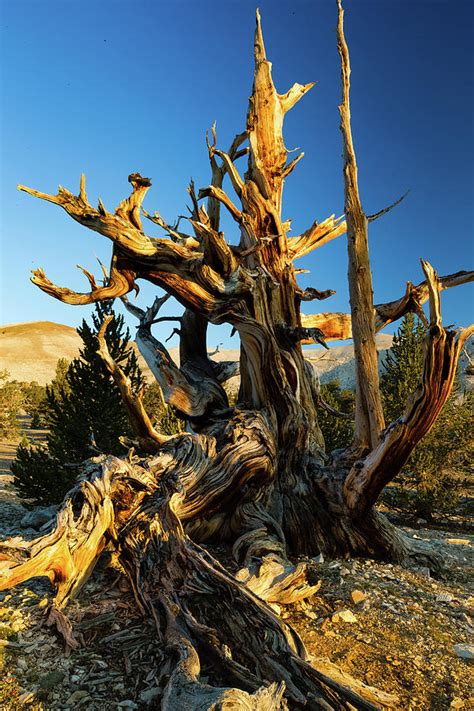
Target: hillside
{"x": 30, "y": 351}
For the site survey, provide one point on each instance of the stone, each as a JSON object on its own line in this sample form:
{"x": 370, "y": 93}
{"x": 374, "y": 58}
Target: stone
{"x": 464, "y": 651}
{"x": 51, "y": 680}
{"x": 458, "y": 541}
{"x": 76, "y": 697}
{"x": 148, "y": 696}
{"x": 457, "y": 703}
{"x": 38, "y": 517}
{"x": 127, "y": 704}
{"x": 344, "y": 616}
{"x": 444, "y": 597}
{"x": 358, "y": 596}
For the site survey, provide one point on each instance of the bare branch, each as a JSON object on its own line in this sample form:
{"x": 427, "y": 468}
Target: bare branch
{"x": 371, "y": 218}
{"x": 180, "y": 238}
{"x": 335, "y": 326}
{"x": 318, "y": 234}
{"x": 441, "y": 352}
{"x": 235, "y": 179}
{"x": 334, "y": 411}
{"x": 294, "y": 94}
{"x": 414, "y": 297}
{"x": 219, "y": 194}
{"x": 120, "y": 282}
{"x": 149, "y": 438}
{"x": 305, "y": 335}
{"x": 369, "y": 413}
{"x": 311, "y": 294}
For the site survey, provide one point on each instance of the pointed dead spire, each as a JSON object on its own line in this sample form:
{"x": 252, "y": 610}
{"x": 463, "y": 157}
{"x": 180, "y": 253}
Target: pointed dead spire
{"x": 259, "y": 45}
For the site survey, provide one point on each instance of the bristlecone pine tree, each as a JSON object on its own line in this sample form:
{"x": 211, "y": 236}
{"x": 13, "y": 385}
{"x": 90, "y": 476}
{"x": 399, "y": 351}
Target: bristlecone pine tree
{"x": 256, "y": 475}
{"x": 84, "y": 412}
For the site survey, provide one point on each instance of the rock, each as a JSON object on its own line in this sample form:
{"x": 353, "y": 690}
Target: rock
{"x": 457, "y": 703}
{"x": 38, "y": 517}
{"x": 76, "y": 697}
{"x": 150, "y": 695}
{"x": 319, "y": 558}
{"x": 458, "y": 541}
{"x": 358, "y": 596}
{"x": 344, "y": 616}
{"x": 424, "y": 571}
{"x": 421, "y": 521}
{"x": 444, "y": 597}
{"x": 464, "y": 651}
{"x": 51, "y": 680}
{"x": 127, "y": 704}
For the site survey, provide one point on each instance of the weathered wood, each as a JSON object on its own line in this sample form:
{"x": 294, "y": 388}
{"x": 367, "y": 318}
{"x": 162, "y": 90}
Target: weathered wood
{"x": 369, "y": 420}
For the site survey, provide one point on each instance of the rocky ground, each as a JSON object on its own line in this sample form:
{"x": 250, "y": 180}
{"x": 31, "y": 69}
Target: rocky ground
{"x": 399, "y": 630}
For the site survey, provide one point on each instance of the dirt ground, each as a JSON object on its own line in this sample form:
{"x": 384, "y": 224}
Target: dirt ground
{"x": 389, "y": 627}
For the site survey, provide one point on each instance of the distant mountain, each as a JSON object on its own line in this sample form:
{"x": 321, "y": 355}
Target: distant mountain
{"x": 30, "y": 351}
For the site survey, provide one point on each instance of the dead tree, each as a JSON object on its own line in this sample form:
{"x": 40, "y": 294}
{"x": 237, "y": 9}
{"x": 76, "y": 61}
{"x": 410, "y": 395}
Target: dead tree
{"x": 256, "y": 475}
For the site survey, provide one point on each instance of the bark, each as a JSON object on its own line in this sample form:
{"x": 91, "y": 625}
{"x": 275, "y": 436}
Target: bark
{"x": 369, "y": 421}
{"x": 255, "y": 475}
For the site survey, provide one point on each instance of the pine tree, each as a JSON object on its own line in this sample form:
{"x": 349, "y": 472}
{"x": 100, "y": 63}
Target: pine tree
{"x": 11, "y": 400}
{"x": 430, "y": 480}
{"x": 84, "y": 413}
{"x": 402, "y": 366}
{"x": 337, "y": 432}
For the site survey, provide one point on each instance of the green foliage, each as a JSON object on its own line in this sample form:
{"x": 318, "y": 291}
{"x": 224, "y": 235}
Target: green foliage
{"x": 430, "y": 480}
{"x": 337, "y": 432}
{"x": 34, "y": 403}
{"x": 163, "y": 416}
{"x": 11, "y": 401}
{"x": 83, "y": 412}
{"x": 402, "y": 366}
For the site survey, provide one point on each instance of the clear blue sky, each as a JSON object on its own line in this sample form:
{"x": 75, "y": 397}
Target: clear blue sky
{"x": 112, "y": 87}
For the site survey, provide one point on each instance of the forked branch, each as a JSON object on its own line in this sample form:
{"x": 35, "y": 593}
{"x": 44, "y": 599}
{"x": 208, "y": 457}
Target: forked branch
{"x": 441, "y": 352}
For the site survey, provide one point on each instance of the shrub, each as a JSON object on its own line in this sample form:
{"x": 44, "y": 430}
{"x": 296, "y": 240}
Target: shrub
{"x": 83, "y": 411}
{"x": 337, "y": 432}
{"x": 11, "y": 402}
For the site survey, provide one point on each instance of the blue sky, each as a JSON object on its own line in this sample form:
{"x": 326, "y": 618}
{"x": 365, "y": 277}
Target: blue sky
{"x": 114, "y": 87}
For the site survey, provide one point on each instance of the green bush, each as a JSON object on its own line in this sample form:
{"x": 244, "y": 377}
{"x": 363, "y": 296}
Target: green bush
{"x": 163, "y": 416}
{"x": 83, "y": 412}
{"x": 11, "y": 402}
{"x": 337, "y": 432}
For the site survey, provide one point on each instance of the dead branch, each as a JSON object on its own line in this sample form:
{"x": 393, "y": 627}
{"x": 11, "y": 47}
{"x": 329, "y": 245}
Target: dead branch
{"x": 442, "y": 348}
{"x": 150, "y": 440}
{"x": 369, "y": 421}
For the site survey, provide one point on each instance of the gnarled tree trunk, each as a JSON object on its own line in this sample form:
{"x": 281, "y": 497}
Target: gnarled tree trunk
{"x": 257, "y": 474}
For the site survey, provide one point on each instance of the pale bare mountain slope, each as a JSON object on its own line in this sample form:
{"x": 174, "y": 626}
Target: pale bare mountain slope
{"x": 30, "y": 351}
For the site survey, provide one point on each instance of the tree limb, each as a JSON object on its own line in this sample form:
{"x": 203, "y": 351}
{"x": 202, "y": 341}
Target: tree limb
{"x": 149, "y": 438}
{"x": 318, "y": 234}
{"x": 338, "y": 326}
{"x": 369, "y": 420}
{"x": 368, "y": 477}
